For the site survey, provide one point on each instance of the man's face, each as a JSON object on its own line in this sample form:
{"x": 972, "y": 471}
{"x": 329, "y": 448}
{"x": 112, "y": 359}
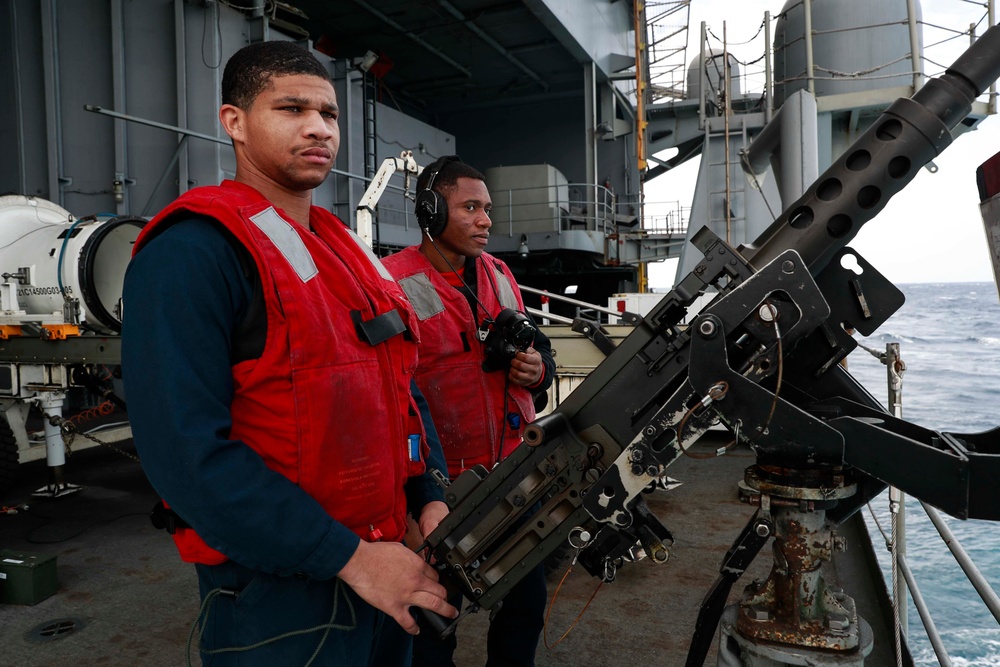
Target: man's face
{"x": 468, "y": 228}
{"x": 289, "y": 135}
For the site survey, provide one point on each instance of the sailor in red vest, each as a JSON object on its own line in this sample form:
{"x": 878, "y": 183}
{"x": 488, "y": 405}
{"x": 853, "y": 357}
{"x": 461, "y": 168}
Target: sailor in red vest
{"x": 482, "y": 363}
{"x": 269, "y": 359}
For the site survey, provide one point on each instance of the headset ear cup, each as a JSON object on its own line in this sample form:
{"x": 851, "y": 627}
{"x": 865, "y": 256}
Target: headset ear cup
{"x": 430, "y": 206}
{"x": 432, "y": 212}
{"x": 441, "y": 215}
{"x": 423, "y": 207}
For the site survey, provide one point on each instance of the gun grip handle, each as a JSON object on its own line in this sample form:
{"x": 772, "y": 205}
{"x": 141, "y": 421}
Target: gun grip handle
{"x": 441, "y": 626}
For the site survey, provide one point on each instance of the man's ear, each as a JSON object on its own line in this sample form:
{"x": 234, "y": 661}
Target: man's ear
{"x": 232, "y": 119}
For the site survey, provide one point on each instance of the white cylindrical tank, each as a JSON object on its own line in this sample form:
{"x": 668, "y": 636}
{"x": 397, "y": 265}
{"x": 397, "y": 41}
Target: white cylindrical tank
{"x": 714, "y": 74}
{"x": 852, "y": 41}
{"x": 65, "y": 257}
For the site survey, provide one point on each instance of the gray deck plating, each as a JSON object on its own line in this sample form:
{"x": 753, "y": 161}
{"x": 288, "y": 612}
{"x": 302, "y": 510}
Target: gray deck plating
{"x": 136, "y": 601}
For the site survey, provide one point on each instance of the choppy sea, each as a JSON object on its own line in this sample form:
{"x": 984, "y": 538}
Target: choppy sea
{"x": 949, "y": 336}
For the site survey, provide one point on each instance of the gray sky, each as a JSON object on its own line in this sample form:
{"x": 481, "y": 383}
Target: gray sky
{"x": 932, "y": 230}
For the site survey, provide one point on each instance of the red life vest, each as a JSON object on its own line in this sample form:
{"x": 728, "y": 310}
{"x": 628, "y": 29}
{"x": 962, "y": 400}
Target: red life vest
{"x": 326, "y": 409}
{"x": 468, "y": 404}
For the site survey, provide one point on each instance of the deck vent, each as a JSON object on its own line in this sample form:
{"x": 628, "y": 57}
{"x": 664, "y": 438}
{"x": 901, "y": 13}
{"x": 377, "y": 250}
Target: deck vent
{"x": 55, "y": 629}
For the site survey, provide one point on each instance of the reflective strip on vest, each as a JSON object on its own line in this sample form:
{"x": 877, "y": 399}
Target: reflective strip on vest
{"x": 423, "y": 297}
{"x": 287, "y": 242}
{"x": 507, "y": 297}
{"x": 376, "y": 262}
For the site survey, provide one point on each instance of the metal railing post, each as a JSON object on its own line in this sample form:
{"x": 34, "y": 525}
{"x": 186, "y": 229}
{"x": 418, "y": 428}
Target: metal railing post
{"x": 897, "y": 499}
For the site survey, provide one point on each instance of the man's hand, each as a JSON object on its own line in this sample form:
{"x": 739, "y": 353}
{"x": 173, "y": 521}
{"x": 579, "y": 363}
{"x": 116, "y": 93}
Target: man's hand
{"x": 392, "y": 578}
{"x": 433, "y": 513}
{"x": 526, "y": 368}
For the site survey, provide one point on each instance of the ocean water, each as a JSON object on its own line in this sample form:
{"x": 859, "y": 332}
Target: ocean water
{"x": 949, "y": 336}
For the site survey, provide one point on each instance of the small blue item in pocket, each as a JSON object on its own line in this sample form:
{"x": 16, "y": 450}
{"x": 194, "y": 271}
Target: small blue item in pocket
{"x": 514, "y": 420}
{"x": 414, "y": 446}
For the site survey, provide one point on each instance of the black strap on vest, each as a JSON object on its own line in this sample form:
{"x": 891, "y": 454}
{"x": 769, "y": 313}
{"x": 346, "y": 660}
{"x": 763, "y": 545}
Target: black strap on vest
{"x": 166, "y": 519}
{"x": 378, "y": 329}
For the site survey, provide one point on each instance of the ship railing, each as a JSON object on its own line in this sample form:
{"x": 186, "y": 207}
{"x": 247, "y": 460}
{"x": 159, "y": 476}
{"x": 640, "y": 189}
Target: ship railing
{"x": 556, "y": 207}
{"x": 584, "y": 309}
{"x": 936, "y": 35}
{"x": 968, "y": 566}
{"x": 587, "y": 207}
{"x": 896, "y": 540}
{"x": 666, "y": 217}
{"x": 667, "y": 36}
{"x": 908, "y": 585}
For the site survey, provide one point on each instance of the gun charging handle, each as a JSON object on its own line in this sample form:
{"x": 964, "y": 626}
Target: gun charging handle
{"x": 441, "y": 626}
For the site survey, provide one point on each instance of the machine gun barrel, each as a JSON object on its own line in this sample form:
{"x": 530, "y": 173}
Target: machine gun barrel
{"x": 910, "y": 133}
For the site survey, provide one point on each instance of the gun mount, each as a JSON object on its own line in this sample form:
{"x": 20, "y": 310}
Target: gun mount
{"x": 762, "y": 359}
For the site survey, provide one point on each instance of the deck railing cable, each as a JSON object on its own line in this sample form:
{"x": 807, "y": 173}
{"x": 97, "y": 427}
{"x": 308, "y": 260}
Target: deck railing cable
{"x": 896, "y": 542}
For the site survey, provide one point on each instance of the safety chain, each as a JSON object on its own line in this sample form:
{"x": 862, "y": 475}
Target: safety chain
{"x": 69, "y": 431}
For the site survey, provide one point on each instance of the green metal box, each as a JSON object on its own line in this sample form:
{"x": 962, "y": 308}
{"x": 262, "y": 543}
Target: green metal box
{"x": 26, "y": 578}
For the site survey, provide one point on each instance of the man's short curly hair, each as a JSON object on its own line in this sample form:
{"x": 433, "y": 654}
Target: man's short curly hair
{"x": 250, "y": 70}
{"x": 449, "y": 169}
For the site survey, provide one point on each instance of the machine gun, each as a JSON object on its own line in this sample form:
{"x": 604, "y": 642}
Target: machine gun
{"x": 762, "y": 359}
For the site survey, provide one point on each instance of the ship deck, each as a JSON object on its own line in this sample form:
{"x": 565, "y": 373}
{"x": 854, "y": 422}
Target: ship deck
{"x": 130, "y": 601}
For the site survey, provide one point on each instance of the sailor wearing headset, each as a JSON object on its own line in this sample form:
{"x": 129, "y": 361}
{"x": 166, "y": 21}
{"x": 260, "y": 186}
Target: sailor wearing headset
{"x": 481, "y": 363}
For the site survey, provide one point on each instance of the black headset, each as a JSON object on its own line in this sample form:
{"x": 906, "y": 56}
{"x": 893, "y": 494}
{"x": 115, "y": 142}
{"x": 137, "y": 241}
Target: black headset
{"x": 430, "y": 206}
